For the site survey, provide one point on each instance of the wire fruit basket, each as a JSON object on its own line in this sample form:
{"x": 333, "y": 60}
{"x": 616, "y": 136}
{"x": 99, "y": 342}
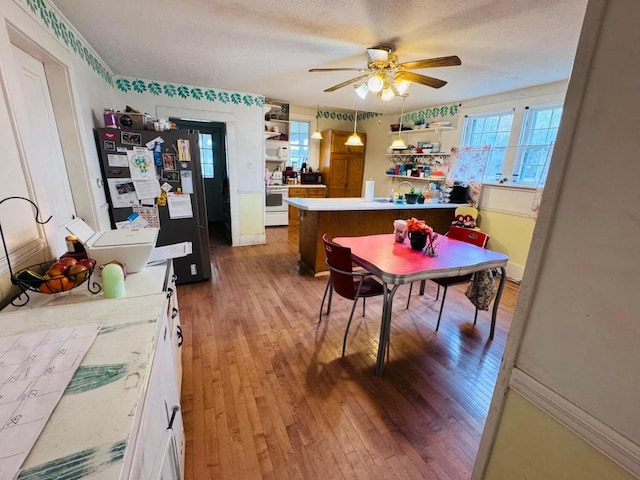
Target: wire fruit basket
{"x": 42, "y": 277}
{"x": 36, "y": 279}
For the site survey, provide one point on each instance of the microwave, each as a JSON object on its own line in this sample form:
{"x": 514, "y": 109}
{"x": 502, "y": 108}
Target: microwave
{"x": 276, "y": 152}
{"x": 310, "y": 177}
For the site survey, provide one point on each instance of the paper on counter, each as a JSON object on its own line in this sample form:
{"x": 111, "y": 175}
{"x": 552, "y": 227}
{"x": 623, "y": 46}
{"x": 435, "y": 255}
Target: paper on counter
{"x": 176, "y": 250}
{"x": 42, "y": 365}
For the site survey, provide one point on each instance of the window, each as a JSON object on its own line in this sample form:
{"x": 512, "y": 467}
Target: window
{"x": 206, "y": 155}
{"x": 298, "y": 143}
{"x": 539, "y": 132}
{"x": 489, "y": 129}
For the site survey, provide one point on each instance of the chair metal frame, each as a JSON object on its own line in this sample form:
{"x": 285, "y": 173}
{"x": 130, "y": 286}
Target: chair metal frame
{"x": 358, "y": 279}
{"x": 469, "y": 235}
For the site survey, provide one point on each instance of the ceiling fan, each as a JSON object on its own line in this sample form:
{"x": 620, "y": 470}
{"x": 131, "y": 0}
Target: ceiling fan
{"x": 386, "y": 77}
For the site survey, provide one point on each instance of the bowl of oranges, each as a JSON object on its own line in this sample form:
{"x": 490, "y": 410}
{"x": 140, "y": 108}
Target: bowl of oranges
{"x": 55, "y": 276}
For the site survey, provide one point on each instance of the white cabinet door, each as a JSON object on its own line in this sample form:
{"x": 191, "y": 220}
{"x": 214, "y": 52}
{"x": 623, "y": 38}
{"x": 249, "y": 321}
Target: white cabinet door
{"x": 161, "y": 410}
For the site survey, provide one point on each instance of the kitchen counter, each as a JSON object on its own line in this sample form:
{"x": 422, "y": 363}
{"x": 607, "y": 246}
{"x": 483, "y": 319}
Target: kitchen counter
{"x": 98, "y": 416}
{"x": 359, "y": 204}
{"x": 302, "y": 185}
{"x": 347, "y": 217}
{"x": 106, "y": 424}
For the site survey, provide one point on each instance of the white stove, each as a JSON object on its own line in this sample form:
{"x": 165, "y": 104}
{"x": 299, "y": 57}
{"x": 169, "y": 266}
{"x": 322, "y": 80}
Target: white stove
{"x": 276, "y": 210}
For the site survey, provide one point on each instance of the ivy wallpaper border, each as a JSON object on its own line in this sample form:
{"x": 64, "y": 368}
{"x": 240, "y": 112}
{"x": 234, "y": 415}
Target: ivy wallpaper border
{"x": 51, "y": 19}
{"x": 171, "y": 90}
{"x": 432, "y": 113}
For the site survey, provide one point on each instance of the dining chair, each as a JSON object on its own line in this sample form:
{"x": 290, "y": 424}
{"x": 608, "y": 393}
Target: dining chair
{"x": 346, "y": 282}
{"x": 469, "y": 235}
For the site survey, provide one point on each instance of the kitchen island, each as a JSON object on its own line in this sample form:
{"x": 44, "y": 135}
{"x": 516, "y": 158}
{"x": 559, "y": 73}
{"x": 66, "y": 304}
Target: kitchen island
{"x": 346, "y": 217}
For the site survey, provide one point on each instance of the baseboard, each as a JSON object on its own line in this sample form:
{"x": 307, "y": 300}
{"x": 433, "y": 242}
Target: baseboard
{"x": 515, "y": 272}
{"x": 617, "y": 447}
{"x": 252, "y": 239}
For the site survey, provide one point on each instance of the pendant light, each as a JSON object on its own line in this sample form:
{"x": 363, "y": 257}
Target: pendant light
{"x": 398, "y": 143}
{"x": 317, "y": 135}
{"x": 354, "y": 140}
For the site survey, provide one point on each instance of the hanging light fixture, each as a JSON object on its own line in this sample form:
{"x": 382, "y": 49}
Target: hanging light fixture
{"x": 398, "y": 143}
{"x": 317, "y": 135}
{"x": 354, "y": 140}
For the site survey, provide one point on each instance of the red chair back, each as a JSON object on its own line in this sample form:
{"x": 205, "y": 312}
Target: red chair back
{"x": 340, "y": 257}
{"x": 469, "y": 235}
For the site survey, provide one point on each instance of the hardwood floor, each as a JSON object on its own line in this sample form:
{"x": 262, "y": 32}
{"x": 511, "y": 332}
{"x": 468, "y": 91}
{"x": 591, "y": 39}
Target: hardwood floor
{"x": 266, "y": 394}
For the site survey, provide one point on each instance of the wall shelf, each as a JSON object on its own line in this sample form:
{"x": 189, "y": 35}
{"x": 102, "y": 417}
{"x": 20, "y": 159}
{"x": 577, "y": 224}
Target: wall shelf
{"x": 439, "y": 178}
{"x": 422, "y": 130}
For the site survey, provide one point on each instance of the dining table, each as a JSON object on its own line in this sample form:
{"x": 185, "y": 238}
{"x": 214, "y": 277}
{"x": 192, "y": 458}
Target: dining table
{"x": 396, "y": 263}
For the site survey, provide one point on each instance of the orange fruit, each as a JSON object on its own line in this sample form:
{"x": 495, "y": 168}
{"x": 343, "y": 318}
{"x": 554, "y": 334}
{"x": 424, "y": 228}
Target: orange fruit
{"x": 57, "y": 284}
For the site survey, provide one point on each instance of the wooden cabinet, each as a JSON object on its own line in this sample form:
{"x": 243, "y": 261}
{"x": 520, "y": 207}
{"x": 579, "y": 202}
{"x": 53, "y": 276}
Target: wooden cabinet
{"x": 342, "y": 165}
{"x": 303, "y": 192}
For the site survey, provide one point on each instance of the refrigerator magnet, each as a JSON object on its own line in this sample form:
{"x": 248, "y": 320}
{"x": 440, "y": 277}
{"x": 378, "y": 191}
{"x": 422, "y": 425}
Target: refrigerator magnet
{"x": 110, "y": 135}
{"x": 183, "y": 150}
{"x": 166, "y": 187}
{"x": 130, "y": 138}
{"x": 170, "y": 176}
{"x": 169, "y": 161}
{"x": 109, "y": 145}
{"x": 186, "y": 181}
{"x": 162, "y": 199}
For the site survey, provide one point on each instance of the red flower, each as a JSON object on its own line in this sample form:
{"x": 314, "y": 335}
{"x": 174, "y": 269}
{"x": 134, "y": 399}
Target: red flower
{"x": 415, "y": 225}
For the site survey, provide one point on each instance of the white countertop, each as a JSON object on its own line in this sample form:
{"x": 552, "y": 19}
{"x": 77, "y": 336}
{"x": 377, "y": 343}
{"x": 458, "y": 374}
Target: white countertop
{"x": 357, "y": 203}
{"x": 301, "y": 185}
{"x": 94, "y": 420}
{"x": 149, "y": 280}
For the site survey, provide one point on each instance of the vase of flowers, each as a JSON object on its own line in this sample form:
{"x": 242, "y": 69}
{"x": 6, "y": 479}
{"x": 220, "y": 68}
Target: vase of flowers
{"x": 419, "y": 233}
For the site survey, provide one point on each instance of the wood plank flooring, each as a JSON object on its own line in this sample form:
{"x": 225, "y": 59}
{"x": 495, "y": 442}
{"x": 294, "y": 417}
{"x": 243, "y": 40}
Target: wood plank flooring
{"x": 266, "y": 394}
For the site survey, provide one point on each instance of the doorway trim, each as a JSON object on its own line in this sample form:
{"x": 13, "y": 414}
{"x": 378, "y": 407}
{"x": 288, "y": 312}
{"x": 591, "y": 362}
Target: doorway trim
{"x": 163, "y": 111}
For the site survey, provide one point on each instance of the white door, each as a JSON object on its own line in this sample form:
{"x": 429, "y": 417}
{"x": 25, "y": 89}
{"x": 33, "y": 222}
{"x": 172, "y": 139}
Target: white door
{"x": 43, "y": 151}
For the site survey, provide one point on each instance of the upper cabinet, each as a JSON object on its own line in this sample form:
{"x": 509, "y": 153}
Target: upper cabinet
{"x": 342, "y": 165}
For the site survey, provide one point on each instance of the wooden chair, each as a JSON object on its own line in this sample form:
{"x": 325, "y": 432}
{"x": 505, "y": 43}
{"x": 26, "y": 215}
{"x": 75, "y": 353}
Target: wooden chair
{"x": 469, "y": 235}
{"x": 346, "y": 282}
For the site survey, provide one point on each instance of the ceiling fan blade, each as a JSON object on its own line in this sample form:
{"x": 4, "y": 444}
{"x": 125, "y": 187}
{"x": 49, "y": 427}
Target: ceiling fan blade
{"x": 339, "y": 70}
{"x": 423, "y": 79}
{"x": 344, "y": 84}
{"x": 451, "y": 61}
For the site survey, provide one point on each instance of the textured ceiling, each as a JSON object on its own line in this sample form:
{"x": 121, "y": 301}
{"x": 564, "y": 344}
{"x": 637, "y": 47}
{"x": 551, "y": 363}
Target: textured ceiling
{"x": 267, "y": 47}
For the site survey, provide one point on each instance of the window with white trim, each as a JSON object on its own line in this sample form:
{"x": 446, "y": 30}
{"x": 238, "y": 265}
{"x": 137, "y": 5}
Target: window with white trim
{"x": 298, "y": 143}
{"x": 491, "y": 129}
{"x": 539, "y": 132}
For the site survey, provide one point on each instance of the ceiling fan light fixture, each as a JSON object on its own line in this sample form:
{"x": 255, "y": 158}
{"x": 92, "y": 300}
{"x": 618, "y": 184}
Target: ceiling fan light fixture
{"x": 386, "y": 94}
{"x": 362, "y": 90}
{"x": 376, "y": 83}
{"x": 401, "y": 85}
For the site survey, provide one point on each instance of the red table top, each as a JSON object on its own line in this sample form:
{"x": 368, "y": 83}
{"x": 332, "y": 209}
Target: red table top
{"x": 398, "y": 263}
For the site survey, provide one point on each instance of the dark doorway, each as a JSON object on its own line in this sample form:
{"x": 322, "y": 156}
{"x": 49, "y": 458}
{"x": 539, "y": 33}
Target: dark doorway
{"x": 214, "y": 172}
